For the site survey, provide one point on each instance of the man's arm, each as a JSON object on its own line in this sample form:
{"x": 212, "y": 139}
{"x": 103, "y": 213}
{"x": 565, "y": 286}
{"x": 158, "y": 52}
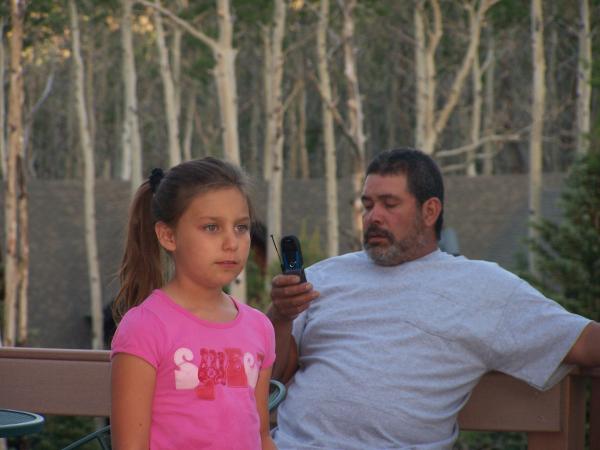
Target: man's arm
{"x": 289, "y": 298}
{"x": 586, "y": 350}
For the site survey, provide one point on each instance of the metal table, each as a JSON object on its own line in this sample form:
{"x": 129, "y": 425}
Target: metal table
{"x": 19, "y": 423}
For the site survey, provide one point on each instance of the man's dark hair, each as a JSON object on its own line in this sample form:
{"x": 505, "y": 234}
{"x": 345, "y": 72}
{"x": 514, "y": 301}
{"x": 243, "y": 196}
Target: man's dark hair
{"x": 423, "y": 176}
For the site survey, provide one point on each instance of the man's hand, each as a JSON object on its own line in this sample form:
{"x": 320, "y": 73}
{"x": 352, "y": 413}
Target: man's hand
{"x": 290, "y": 297}
{"x": 586, "y": 350}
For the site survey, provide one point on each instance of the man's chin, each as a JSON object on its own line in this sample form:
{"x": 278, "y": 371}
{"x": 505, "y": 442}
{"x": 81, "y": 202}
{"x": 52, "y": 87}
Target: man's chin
{"x": 380, "y": 255}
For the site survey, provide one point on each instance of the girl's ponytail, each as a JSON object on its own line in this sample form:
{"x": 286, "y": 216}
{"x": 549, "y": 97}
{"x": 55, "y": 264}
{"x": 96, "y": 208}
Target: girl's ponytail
{"x": 141, "y": 267}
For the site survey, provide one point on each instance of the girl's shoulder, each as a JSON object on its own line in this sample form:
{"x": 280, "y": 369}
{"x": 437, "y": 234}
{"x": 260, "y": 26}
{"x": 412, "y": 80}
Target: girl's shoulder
{"x": 252, "y": 314}
{"x": 143, "y": 332}
{"x": 147, "y": 314}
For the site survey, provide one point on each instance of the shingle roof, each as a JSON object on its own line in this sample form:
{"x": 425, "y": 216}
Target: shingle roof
{"x": 489, "y": 215}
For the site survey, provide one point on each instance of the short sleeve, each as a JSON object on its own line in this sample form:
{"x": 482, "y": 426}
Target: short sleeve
{"x": 270, "y": 343}
{"x": 534, "y": 336}
{"x": 140, "y": 333}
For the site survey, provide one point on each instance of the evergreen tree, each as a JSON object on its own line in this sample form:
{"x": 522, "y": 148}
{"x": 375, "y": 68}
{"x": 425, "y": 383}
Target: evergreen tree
{"x": 569, "y": 252}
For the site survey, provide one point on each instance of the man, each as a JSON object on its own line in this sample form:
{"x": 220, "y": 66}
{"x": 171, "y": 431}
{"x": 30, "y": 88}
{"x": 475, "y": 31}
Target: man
{"x": 386, "y": 352}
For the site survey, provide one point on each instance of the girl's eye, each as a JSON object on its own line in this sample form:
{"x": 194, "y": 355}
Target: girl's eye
{"x": 210, "y": 227}
{"x": 242, "y": 228}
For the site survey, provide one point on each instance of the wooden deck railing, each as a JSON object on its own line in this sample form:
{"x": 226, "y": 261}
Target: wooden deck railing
{"x": 77, "y": 382}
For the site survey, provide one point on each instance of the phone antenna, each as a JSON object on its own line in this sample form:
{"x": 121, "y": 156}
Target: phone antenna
{"x": 276, "y": 250}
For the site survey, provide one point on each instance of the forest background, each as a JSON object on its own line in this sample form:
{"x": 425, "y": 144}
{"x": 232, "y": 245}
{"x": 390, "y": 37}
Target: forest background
{"x": 307, "y": 89}
{"x": 288, "y": 89}
{"x": 299, "y": 89}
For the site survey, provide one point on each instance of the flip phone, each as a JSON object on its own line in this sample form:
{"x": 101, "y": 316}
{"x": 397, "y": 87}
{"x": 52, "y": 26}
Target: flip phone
{"x": 291, "y": 257}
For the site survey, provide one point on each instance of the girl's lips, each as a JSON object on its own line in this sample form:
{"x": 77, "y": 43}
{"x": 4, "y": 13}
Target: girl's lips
{"x": 227, "y": 263}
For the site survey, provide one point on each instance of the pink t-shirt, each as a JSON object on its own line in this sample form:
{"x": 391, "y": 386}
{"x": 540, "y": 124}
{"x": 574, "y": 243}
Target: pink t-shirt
{"x": 206, "y": 373}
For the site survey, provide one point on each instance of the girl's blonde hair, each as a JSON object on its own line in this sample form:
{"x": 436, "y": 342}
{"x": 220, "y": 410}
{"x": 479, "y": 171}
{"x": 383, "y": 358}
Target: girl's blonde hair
{"x": 164, "y": 198}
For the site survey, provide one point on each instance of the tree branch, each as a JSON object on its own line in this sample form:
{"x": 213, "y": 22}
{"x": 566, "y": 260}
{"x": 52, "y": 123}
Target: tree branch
{"x": 212, "y": 43}
{"x": 458, "y": 83}
{"x": 336, "y": 115}
{"x": 511, "y": 137}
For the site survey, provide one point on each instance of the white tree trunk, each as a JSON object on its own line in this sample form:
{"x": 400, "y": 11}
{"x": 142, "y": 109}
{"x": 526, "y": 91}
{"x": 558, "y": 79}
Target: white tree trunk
{"x": 169, "y": 91}
{"x": 420, "y": 75}
{"x": 434, "y": 37}
{"x": 355, "y": 117}
{"x": 328, "y": 132}
{"x": 490, "y": 71}
{"x": 268, "y": 99}
{"x": 304, "y": 161}
{"x": 252, "y": 164}
{"x": 434, "y": 121}
{"x": 224, "y": 73}
{"x": 274, "y": 135}
{"x": 23, "y": 266}
{"x": 189, "y": 125}
{"x": 584, "y": 83}
{"x": 537, "y": 121}
{"x": 88, "y": 186}
{"x": 131, "y": 166}
{"x": 292, "y": 160}
{"x": 227, "y": 88}
{"x": 2, "y": 109}
{"x": 176, "y": 63}
{"x": 476, "y": 109}
{"x": 226, "y": 83}
{"x": 15, "y": 144}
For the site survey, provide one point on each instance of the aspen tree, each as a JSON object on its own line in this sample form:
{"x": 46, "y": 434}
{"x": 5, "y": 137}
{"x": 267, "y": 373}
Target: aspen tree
{"x": 537, "y": 123}
{"x": 328, "y": 132}
{"x": 15, "y": 144}
{"x": 169, "y": 90}
{"x": 274, "y": 134}
{"x": 87, "y": 149}
{"x": 355, "y": 116}
{"x": 131, "y": 160}
{"x": 584, "y": 79}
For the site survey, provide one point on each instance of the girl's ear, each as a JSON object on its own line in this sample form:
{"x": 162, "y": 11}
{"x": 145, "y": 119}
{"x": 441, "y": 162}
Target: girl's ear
{"x": 165, "y": 236}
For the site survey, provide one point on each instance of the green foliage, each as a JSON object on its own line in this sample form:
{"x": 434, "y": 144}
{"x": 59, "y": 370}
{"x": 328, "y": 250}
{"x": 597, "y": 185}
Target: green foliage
{"x": 255, "y": 285}
{"x": 58, "y": 432}
{"x": 470, "y": 440}
{"x": 257, "y": 279}
{"x": 508, "y": 13}
{"x": 568, "y": 254}
{"x": 312, "y": 247}
{"x": 252, "y": 12}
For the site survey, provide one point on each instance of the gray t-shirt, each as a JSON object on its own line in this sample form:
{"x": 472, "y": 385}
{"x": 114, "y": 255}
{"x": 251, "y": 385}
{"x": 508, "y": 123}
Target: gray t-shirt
{"x": 389, "y": 355}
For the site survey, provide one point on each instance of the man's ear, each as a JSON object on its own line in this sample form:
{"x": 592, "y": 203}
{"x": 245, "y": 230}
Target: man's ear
{"x": 431, "y": 210}
{"x": 165, "y": 236}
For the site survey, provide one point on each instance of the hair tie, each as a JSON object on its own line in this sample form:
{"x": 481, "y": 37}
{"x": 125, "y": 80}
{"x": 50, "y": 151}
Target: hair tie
{"x": 155, "y": 178}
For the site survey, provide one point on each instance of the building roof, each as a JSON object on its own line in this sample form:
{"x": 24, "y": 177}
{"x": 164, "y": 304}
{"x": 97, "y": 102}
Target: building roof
{"x": 488, "y": 214}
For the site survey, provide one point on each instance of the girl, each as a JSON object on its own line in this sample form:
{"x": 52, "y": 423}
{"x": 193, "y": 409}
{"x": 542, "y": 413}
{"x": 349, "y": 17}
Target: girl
{"x": 190, "y": 364}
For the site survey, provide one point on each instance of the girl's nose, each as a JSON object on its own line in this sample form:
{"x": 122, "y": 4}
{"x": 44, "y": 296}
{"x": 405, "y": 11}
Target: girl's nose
{"x": 230, "y": 241}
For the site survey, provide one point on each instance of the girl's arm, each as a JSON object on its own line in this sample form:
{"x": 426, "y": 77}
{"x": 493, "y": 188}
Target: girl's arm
{"x": 262, "y": 403}
{"x": 132, "y": 390}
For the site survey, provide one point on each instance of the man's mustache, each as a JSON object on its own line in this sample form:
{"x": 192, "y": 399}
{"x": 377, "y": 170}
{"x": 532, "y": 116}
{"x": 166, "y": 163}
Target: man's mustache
{"x": 375, "y": 231}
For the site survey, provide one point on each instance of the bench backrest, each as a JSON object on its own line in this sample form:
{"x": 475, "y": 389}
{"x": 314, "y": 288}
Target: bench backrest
{"x": 77, "y": 382}
{"x": 55, "y": 381}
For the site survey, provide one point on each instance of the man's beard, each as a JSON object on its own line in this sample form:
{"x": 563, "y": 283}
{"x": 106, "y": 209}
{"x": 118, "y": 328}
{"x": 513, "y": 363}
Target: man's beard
{"x": 398, "y": 251}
